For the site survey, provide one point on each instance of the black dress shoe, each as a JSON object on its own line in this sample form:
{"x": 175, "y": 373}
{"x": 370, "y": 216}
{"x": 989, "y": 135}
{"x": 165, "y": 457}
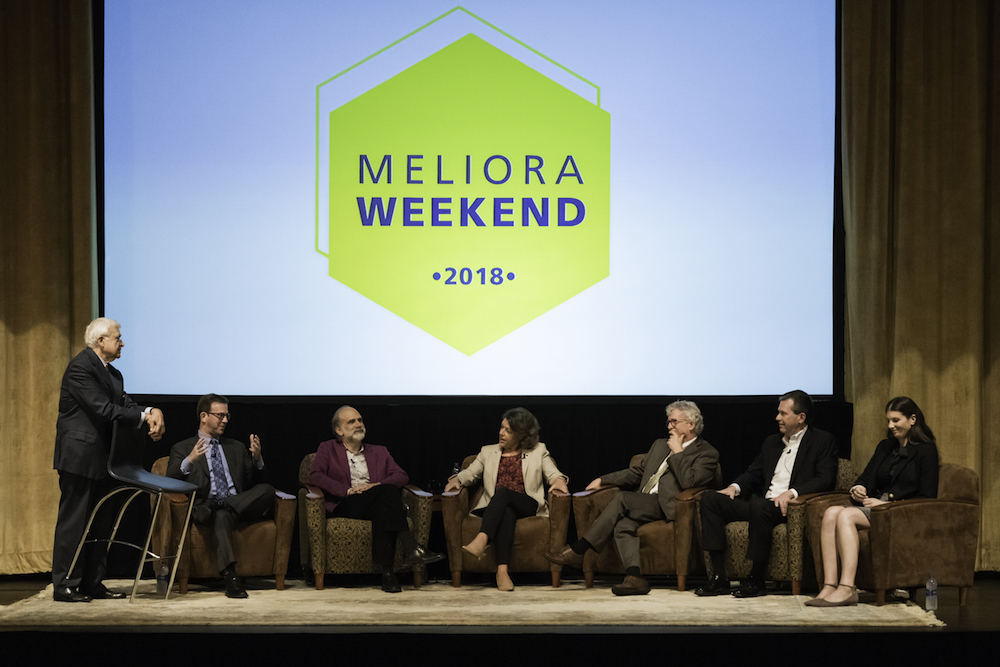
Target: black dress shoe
{"x": 104, "y": 594}
{"x": 421, "y": 556}
{"x": 715, "y": 586}
{"x": 751, "y": 589}
{"x": 234, "y": 589}
{"x": 67, "y": 594}
{"x": 631, "y": 586}
{"x": 565, "y": 557}
{"x": 389, "y": 582}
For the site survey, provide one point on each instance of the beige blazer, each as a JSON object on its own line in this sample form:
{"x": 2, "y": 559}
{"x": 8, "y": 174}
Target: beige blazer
{"x": 537, "y": 466}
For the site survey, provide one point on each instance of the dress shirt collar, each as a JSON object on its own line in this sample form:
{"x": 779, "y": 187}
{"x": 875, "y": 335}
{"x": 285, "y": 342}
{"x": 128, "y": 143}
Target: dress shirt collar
{"x": 795, "y": 439}
{"x": 207, "y": 438}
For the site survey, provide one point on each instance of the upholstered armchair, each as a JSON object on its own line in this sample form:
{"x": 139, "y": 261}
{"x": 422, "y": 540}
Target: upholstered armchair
{"x": 788, "y": 540}
{"x": 344, "y": 546}
{"x": 911, "y": 539}
{"x": 665, "y": 547}
{"x": 533, "y": 535}
{"x": 262, "y": 547}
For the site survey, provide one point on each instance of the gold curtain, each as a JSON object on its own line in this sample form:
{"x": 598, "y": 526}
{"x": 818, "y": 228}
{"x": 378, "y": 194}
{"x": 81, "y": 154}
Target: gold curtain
{"x": 47, "y": 244}
{"x": 919, "y": 115}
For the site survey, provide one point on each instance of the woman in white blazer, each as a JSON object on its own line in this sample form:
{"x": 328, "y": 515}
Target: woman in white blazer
{"x": 514, "y": 473}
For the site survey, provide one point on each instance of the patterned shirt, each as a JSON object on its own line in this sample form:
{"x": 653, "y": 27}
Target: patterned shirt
{"x": 509, "y": 475}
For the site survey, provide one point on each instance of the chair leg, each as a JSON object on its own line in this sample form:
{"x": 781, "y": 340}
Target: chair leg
{"x": 319, "y": 580}
{"x": 796, "y": 587}
{"x": 963, "y": 595}
{"x": 681, "y": 582}
{"x": 456, "y": 579}
{"x": 417, "y": 578}
{"x": 556, "y": 578}
{"x": 183, "y": 586}
{"x": 279, "y": 582}
{"x": 588, "y": 579}
{"x": 880, "y": 597}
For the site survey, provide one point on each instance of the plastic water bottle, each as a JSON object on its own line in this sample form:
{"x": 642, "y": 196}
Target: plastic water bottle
{"x": 930, "y": 597}
{"x": 161, "y": 580}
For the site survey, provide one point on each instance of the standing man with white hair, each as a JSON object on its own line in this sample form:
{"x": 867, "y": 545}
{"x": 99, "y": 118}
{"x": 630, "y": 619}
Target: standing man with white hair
{"x": 91, "y": 400}
{"x": 682, "y": 461}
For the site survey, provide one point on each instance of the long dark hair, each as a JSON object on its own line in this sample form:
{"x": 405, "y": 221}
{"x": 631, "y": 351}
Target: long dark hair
{"x": 920, "y": 431}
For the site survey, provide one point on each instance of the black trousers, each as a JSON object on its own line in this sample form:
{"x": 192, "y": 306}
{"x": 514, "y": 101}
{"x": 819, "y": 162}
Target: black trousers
{"x": 250, "y": 505}
{"x": 718, "y": 509}
{"x": 500, "y": 517}
{"x": 383, "y": 506}
{"x": 77, "y": 497}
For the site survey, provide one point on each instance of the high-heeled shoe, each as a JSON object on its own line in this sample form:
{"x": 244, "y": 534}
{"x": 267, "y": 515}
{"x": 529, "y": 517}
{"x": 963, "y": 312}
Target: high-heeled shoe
{"x": 817, "y": 601}
{"x": 479, "y": 555}
{"x": 849, "y": 602}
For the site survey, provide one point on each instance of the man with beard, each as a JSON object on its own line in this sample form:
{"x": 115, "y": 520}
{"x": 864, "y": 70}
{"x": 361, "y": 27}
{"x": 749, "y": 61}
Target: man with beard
{"x": 362, "y": 481}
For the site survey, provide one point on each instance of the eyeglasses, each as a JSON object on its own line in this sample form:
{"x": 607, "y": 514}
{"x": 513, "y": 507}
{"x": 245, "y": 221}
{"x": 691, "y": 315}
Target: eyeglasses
{"x": 220, "y": 415}
{"x": 675, "y": 422}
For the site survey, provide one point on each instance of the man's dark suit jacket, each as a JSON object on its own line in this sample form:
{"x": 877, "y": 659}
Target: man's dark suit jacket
{"x": 90, "y": 401}
{"x": 241, "y": 467}
{"x": 916, "y": 478}
{"x": 814, "y": 470}
{"x": 694, "y": 466}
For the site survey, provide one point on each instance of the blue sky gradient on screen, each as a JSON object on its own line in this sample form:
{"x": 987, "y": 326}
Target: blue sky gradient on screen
{"x": 722, "y": 122}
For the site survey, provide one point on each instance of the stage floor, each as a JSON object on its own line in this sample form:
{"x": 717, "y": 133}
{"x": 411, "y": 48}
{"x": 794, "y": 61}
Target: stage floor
{"x": 967, "y": 631}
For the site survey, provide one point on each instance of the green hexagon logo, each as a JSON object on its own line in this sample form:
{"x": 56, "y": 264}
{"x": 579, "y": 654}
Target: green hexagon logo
{"x": 468, "y": 194}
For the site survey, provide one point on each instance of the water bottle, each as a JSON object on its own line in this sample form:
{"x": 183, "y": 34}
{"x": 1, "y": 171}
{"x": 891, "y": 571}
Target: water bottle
{"x": 930, "y": 597}
{"x": 161, "y": 580}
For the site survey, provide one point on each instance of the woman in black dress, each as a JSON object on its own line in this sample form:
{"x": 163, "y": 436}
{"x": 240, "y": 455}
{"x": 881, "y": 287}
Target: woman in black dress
{"x": 905, "y": 465}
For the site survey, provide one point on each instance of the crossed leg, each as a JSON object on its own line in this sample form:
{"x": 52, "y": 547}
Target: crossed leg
{"x": 839, "y": 538}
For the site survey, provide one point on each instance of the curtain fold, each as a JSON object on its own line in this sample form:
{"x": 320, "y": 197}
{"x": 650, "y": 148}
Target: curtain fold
{"x": 47, "y": 246}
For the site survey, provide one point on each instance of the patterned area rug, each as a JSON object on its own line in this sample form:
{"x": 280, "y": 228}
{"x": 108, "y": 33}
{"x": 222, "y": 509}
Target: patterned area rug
{"x": 439, "y": 604}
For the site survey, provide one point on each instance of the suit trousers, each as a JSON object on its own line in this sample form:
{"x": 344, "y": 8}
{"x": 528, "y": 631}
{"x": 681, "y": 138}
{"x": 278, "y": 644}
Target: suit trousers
{"x": 78, "y": 496}
{"x": 250, "y": 505}
{"x": 622, "y": 517}
{"x": 718, "y": 509}
{"x": 500, "y": 518}
{"x": 383, "y": 506}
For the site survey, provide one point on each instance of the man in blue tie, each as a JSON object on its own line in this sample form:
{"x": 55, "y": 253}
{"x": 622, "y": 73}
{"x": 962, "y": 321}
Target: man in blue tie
{"x": 229, "y": 477}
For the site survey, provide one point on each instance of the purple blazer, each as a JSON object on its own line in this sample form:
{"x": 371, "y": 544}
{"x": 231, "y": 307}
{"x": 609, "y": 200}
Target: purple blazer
{"x": 331, "y": 471}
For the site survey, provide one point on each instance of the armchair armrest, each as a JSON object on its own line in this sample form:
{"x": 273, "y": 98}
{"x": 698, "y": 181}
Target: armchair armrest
{"x": 921, "y": 535}
{"x": 588, "y": 505}
{"x": 454, "y": 509}
{"x": 312, "y": 529}
{"x": 560, "y": 505}
{"x": 284, "y": 523}
{"x": 418, "y": 510}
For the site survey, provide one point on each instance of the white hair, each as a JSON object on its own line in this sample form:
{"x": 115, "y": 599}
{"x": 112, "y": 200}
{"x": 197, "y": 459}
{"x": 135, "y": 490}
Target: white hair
{"x": 690, "y": 412}
{"x": 97, "y": 329}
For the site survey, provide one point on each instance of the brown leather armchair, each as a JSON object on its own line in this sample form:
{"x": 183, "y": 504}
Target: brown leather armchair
{"x": 344, "y": 546}
{"x": 262, "y": 547}
{"x": 788, "y": 540}
{"x": 911, "y": 539}
{"x": 533, "y": 535}
{"x": 665, "y": 547}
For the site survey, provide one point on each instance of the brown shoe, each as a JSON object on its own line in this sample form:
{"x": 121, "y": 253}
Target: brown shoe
{"x": 565, "y": 557}
{"x": 631, "y": 586}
